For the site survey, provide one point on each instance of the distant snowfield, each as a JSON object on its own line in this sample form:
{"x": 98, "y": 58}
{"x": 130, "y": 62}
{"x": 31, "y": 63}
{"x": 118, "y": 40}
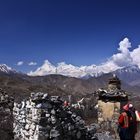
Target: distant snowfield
{"x": 6, "y": 69}
{"x": 125, "y": 60}
{"x": 122, "y": 59}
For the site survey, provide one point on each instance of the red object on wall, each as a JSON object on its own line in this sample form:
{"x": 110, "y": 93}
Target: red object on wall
{"x": 139, "y": 114}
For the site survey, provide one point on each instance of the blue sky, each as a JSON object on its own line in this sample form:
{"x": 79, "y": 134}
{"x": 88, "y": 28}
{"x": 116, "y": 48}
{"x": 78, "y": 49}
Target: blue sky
{"x": 75, "y": 31}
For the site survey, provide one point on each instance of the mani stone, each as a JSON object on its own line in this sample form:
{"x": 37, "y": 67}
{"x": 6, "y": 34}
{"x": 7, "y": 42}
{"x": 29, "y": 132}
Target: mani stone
{"x": 43, "y": 117}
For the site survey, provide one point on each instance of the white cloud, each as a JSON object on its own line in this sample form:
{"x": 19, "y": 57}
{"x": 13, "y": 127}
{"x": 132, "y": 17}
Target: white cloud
{"x": 123, "y": 58}
{"x": 125, "y": 44}
{"x": 135, "y": 54}
{"x": 20, "y": 63}
{"x": 126, "y": 57}
{"x": 32, "y": 64}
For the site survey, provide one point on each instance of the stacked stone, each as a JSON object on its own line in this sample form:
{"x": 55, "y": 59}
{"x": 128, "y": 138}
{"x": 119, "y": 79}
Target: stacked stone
{"x": 46, "y": 118}
{"x": 110, "y": 102}
{"x": 19, "y": 113}
{"x": 114, "y": 95}
{"x": 6, "y": 116}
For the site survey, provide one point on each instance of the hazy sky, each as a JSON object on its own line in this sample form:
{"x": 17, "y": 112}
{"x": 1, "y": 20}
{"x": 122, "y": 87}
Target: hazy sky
{"x": 80, "y": 32}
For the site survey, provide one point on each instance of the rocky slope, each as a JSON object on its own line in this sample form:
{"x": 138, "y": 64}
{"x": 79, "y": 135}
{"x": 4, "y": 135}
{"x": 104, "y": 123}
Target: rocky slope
{"x": 21, "y": 85}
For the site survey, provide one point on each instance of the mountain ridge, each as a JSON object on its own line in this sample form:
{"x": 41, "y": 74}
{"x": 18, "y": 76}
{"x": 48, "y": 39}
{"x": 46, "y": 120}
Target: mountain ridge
{"x": 58, "y": 84}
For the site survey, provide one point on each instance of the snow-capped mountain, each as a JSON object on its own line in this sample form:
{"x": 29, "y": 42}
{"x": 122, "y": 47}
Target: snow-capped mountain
{"x": 6, "y": 69}
{"x": 70, "y": 70}
{"x": 129, "y": 69}
{"x": 130, "y": 75}
{"x": 81, "y": 71}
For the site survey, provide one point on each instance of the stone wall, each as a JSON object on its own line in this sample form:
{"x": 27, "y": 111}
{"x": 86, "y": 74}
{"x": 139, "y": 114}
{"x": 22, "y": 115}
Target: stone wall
{"x": 44, "y": 117}
{"x": 107, "y": 110}
{"x": 6, "y": 116}
{"x": 108, "y": 114}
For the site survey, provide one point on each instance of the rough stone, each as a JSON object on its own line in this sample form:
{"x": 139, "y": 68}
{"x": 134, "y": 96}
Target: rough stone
{"x": 6, "y": 116}
{"x": 44, "y": 117}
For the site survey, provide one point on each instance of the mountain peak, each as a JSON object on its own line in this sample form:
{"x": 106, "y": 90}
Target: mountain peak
{"x": 129, "y": 69}
{"x": 6, "y": 69}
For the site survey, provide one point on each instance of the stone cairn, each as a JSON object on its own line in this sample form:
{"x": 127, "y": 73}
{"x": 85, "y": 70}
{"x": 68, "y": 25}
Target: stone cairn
{"x": 44, "y": 117}
{"x": 6, "y": 116}
{"x": 110, "y": 102}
